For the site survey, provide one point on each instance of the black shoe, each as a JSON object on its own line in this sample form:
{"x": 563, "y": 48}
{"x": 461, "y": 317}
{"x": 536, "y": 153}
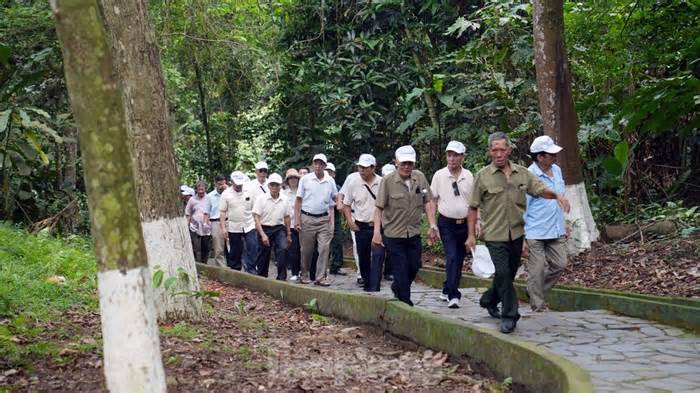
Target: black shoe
{"x": 339, "y": 273}
{"x": 494, "y": 312}
{"x": 507, "y": 326}
{"x": 360, "y": 281}
{"x": 388, "y": 277}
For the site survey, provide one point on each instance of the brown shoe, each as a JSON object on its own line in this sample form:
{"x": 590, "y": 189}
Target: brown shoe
{"x": 304, "y": 281}
{"x": 322, "y": 283}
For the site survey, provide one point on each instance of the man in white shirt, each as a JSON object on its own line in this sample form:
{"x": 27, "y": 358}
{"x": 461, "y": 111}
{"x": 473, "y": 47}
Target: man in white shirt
{"x": 360, "y": 196}
{"x": 258, "y": 186}
{"x": 236, "y": 205}
{"x": 452, "y": 188}
{"x": 313, "y": 213}
{"x": 339, "y": 201}
{"x": 218, "y": 233}
{"x": 272, "y": 223}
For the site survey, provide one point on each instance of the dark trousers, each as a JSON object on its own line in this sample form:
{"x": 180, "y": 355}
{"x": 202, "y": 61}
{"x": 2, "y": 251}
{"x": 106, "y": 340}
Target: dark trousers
{"x": 370, "y": 267}
{"x": 405, "y": 263}
{"x": 278, "y": 240}
{"x": 506, "y": 260}
{"x": 293, "y": 256}
{"x": 336, "y": 253}
{"x": 453, "y": 236}
{"x": 200, "y": 246}
{"x": 238, "y": 243}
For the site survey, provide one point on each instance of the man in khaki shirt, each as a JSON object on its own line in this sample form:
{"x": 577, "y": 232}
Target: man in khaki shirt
{"x": 402, "y": 198}
{"x": 452, "y": 189}
{"x": 499, "y": 191}
{"x": 271, "y": 212}
{"x": 360, "y": 195}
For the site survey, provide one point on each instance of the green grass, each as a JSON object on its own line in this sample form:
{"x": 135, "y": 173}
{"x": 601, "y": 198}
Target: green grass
{"x": 181, "y": 330}
{"x": 28, "y": 298}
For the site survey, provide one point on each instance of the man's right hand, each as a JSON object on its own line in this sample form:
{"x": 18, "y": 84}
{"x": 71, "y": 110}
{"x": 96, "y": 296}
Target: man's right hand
{"x": 470, "y": 243}
{"x": 354, "y": 227}
{"x": 377, "y": 240}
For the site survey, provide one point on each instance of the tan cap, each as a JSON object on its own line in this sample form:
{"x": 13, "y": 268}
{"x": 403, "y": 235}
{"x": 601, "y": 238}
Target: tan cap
{"x": 291, "y": 172}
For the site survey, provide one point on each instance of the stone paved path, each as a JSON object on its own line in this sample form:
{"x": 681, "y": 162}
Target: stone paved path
{"x": 622, "y": 354}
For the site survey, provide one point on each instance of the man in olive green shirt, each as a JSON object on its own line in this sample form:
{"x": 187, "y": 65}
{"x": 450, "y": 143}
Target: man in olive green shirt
{"x": 402, "y": 198}
{"x": 499, "y": 191}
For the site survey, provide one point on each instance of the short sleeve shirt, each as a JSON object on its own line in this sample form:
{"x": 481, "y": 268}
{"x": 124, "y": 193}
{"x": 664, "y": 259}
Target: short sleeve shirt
{"x": 402, "y": 203}
{"x": 196, "y": 209}
{"x": 271, "y": 211}
{"x": 544, "y": 218}
{"x": 213, "y": 199}
{"x": 450, "y": 205}
{"x": 255, "y": 189}
{"x": 317, "y": 195}
{"x": 291, "y": 197}
{"x": 502, "y": 201}
{"x": 237, "y": 207}
{"x": 359, "y": 198}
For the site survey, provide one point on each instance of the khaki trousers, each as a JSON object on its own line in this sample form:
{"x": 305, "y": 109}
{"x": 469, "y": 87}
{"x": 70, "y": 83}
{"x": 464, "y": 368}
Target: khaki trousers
{"x": 316, "y": 233}
{"x": 545, "y": 265}
{"x": 218, "y": 243}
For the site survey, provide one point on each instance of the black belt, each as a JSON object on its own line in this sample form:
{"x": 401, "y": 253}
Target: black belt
{"x": 213, "y": 219}
{"x": 457, "y": 221}
{"x": 314, "y": 215}
{"x": 270, "y": 227}
{"x": 364, "y": 224}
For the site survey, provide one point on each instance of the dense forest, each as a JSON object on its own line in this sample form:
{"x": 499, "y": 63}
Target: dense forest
{"x": 282, "y": 80}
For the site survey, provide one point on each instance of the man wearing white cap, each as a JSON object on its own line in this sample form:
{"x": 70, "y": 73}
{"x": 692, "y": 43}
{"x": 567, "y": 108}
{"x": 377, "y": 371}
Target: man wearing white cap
{"x": 186, "y": 193}
{"x": 236, "y": 205}
{"x": 258, "y": 186}
{"x": 545, "y": 230}
{"x": 272, "y": 223}
{"x": 360, "y": 197}
{"x": 452, "y": 188}
{"x": 499, "y": 191}
{"x": 219, "y": 235}
{"x": 313, "y": 213}
{"x": 402, "y": 199}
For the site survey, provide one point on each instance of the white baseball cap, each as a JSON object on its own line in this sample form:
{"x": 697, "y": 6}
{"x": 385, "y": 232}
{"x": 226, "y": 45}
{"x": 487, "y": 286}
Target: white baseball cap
{"x": 366, "y": 160}
{"x": 186, "y": 190}
{"x": 274, "y": 178}
{"x": 544, "y": 144}
{"x": 406, "y": 153}
{"x": 456, "y": 147}
{"x": 330, "y": 167}
{"x": 261, "y": 165}
{"x": 239, "y": 178}
{"x": 387, "y": 169}
{"x": 321, "y": 157}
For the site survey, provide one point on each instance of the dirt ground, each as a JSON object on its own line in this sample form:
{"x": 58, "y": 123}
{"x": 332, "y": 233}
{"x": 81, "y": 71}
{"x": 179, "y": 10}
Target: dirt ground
{"x": 251, "y": 342}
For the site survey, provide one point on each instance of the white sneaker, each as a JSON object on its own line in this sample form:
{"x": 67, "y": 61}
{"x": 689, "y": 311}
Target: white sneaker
{"x": 454, "y": 303}
{"x": 294, "y": 278}
{"x": 444, "y": 297}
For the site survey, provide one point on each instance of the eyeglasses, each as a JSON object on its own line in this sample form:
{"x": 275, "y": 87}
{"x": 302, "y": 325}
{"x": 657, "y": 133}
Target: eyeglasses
{"x": 455, "y": 188}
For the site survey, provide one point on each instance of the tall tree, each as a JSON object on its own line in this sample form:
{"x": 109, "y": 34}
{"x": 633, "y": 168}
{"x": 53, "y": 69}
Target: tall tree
{"x": 132, "y": 359}
{"x": 558, "y": 113}
{"x": 164, "y": 227}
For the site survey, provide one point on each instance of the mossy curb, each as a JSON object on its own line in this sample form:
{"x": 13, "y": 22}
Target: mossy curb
{"x": 670, "y": 311}
{"x": 526, "y": 363}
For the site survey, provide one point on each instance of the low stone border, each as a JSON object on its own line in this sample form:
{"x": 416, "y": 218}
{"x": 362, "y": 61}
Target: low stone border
{"x": 534, "y": 367}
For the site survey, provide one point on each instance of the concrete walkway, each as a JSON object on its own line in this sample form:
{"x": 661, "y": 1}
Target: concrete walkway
{"x": 622, "y": 354}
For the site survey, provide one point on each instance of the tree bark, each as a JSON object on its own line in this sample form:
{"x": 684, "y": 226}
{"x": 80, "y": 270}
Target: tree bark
{"x": 143, "y": 91}
{"x": 132, "y": 359}
{"x": 558, "y": 113}
{"x": 204, "y": 117}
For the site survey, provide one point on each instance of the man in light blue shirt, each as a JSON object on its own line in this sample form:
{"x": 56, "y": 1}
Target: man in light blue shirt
{"x": 545, "y": 229}
{"x": 212, "y": 209}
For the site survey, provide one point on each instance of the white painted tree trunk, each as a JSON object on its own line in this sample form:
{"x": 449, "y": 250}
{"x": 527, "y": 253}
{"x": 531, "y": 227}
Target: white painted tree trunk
{"x": 168, "y": 245}
{"x": 132, "y": 359}
{"x": 580, "y": 218}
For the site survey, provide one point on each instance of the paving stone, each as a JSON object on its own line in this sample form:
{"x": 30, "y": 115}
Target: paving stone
{"x": 669, "y": 384}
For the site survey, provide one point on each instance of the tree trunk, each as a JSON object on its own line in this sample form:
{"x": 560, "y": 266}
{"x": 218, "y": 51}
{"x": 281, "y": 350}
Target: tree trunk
{"x": 559, "y": 114}
{"x": 69, "y": 220}
{"x": 132, "y": 358}
{"x": 203, "y": 113}
{"x": 165, "y": 229}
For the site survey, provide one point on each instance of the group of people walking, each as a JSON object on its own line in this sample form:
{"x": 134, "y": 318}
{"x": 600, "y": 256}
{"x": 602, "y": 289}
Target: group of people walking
{"x": 513, "y": 209}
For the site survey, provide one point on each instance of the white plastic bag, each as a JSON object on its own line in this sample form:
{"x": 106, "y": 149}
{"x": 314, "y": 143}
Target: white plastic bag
{"x": 482, "y": 266}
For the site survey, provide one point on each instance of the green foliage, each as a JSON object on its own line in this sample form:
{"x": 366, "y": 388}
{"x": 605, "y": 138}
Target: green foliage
{"x": 173, "y": 284}
{"x": 181, "y": 330}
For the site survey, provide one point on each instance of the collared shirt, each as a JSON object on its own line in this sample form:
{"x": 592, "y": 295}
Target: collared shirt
{"x": 344, "y": 189}
{"x": 196, "y": 209}
{"x": 450, "y": 205}
{"x": 544, "y": 219}
{"x": 291, "y": 198}
{"x": 213, "y": 199}
{"x": 237, "y": 207}
{"x": 361, "y": 201}
{"x": 402, "y": 203}
{"x": 317, "y": 195}
{"x": 502, "y": 202}
{"x": 271, "y": 211}
{"x": 255, "y": 189}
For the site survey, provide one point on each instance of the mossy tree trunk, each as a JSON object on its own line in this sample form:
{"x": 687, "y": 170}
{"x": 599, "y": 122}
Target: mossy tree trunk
{"x": 559, "y": 115}
{"x": 166, "y": 235}
{"x": 132, "y": 359}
